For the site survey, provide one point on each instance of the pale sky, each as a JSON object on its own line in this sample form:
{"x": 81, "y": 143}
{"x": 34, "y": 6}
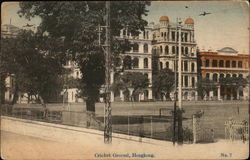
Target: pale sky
{"x": 227, "y": 26}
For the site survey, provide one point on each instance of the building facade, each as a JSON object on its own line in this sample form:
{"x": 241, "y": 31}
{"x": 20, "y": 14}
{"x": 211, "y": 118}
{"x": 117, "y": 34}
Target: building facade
{"x": 165, "y": 45}
{"x": 226, "y": 62}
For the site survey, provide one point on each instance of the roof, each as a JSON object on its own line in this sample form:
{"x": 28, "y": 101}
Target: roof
{"x": 164, "y": 18}
{"x": 228, "y": 50}
{"x": 189, "y": 21}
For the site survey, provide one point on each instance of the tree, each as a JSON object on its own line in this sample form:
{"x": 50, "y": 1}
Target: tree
{"x": 36, "y": 69}
{"x": 163, "y": 82}
{"x": 233, "y": 82}
{"x": 77, "y": 23}
{"x": 135, "y": 80}
{"x": 205, "y": 85}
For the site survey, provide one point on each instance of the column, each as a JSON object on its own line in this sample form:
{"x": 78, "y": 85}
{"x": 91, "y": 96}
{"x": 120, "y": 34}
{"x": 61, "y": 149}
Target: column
{"x": 170, "y": 35}
{"x": 211, "y": 95}
{"x": 111, "y": 77}
{"x": 141, "y": 62}
{"x": 238, "y": 94}
{"x": 150, "y": 94}
{"x": 196, "y": 95}
{"x": 121, "y": 95}
{"x": 112, "y": 98}
{"x": 218, "y": 93}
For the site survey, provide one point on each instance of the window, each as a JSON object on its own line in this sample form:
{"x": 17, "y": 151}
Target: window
{"x": 135, "y": 47}
{"x": 233, "y": 64}
{"x": 173, "y": 49}
{"x": 162, "y": 34}
{"x": 160, "y": 49}
{"x": 135, "y": 62}
{"x": 186, "y": 50}
{"x": 161, "y": 66}
{"x": 215, "y": 77}
{"x": 239, "y": 64}
{"x": 185, "y": 66}
{"x": 228, "y": 75}
{"x": 145, "y": 47}
{"x": 221, "y": 76}
{"x": 124, "y": 32}
{"x": 127, "y": 62}
{"x": 186, "y": 81}
{"x": 166, "y": 49}
{"x": 145, "y": 63}
{"x": 227, "y": 64}
{"x": 214, "y": 63}
{"x": 221, "y": 63}
{"x": 182, "y": 50}
{"x": 167, "y": 65}
{"x": 193, "y": 81}
{"x": 240, "y": 76}
{"x": 207, "y": 63}
{"x": 207, "y": 75}
{"x": 177, "y": 49}
{"x": 234, "y": 75}
{"x": 173, "y": 36}
{"x": 192, "y": 67}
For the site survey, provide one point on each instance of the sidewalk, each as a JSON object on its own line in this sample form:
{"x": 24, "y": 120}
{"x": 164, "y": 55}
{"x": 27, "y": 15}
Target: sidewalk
{"x": 16, "y": 146}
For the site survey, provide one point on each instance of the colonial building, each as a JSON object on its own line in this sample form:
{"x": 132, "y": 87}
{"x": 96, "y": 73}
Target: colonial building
{"x": 141, "y": 57}
{"x": 226, "y": 62}
{"x": 165, "y": 45}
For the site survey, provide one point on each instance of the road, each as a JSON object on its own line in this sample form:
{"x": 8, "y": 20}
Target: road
{"x": 15, "y": 146}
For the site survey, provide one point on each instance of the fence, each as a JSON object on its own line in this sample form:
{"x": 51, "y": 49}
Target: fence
{"x": 152, "y": 126}
{"x": 200, "y": 132}
{"x": 235, "y": 130}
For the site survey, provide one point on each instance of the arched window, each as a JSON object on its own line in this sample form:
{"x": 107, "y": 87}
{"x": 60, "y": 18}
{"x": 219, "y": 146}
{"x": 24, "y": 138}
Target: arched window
{"x": 186, "y": 50}
{"x": 193, "y": 81}
{"x": 135, "y": 62}
{"x": 233, "y": 64}
{"x": 167, "y": 65}
{"x": 124, "y": 32}
{"x": 240, "y": 76}
{"x": 177, "y": 50}
{"x": 215, "y": 77}
{"x": 185, "y": 66}
{"x": 186, "y": 81}
{"x": 135, "y": 47}
{"x": 182, "y": 50}
{"x": 207, "y": 63}
{"x": 192, "y": 67}
{"x": 127, "y": 62}
{"x": 145, "y": 63}
{"x": 207, "y": 75}
{"x": 118, "y": 62}
{"x": 221, "y": 76}
{"x": 239, "y": 64}
{"x": 173, "y": 49}
{"x": 228, "y": 75}
{"x": 166, "y": 49}
{"x": 161, "y": 66}
{"x": 161, "y": 49}
{"x": 234, "y": 75}
{"x": 214, "y": 63}
{"x": 221, "y": 63}
{"x": 145, "y": 47}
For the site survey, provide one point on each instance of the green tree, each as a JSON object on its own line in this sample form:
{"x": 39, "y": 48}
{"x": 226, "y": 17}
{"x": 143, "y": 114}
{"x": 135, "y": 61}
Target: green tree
{"x": 36, "y": 70}
{"x": 163, "y": 83}
{"x": 77, "y": 23}
{"x": 204, "y": 86}
{"x": 135, "y": 80}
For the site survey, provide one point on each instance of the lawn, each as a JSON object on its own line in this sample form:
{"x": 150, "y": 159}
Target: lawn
{"x": 215, "y": 115}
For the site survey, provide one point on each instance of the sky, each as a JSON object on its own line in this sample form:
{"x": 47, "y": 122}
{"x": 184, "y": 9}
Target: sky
{"x": 227, "y": 26}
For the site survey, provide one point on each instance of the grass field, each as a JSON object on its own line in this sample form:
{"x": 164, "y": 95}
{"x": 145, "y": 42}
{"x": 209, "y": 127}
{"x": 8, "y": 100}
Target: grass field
{"x": 215, "y": 114}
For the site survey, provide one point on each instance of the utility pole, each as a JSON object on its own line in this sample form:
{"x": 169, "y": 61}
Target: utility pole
{"x": 107, "y": 109}
{"x": 175, "y": 86}
{"x": 180, "y": 133}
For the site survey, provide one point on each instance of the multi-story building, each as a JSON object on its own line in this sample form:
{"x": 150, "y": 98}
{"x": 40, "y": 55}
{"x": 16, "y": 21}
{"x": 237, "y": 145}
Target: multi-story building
{"x": 226, "y": 62}
{"x": 165, "y": 45}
